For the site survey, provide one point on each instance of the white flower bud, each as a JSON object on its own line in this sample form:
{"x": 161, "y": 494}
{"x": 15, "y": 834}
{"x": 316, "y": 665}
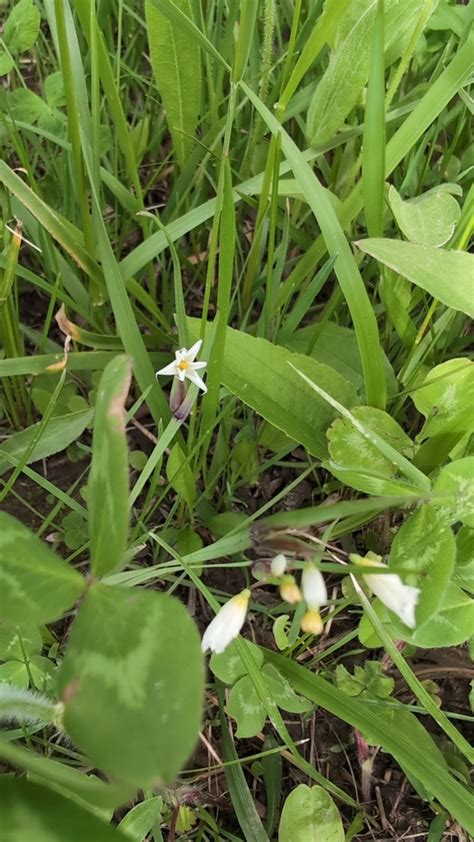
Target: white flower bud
{"x": 314, "y": 588}
{"x": 289, "y": 590}
{"x": 279, "y": 565}
{"x": 311, "y": 622}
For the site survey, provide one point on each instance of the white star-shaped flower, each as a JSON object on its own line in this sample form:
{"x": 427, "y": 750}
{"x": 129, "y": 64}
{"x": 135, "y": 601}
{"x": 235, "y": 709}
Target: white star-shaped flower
{"x": 184, "y": 366}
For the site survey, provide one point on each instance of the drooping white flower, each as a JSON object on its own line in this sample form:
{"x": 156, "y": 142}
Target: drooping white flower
{"x": 315, "y": 595}
{"x": 184, "y": 366}
{"x": 226, "y": 624}
{"x": 289, "y": 590}
{"x": 400, "y": 598}
{"x": 314, "y": 588}
{"x": 279, "y": 565}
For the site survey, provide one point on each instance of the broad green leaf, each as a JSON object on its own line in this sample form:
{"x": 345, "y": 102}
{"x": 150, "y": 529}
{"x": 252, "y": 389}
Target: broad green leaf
{"x": 359, "y": 463}
{"x": 464, "y": 565}
{"x": 132, "y": 683}
{"x": 338, "y": 90}
{"x": 337, "y": 347}
{"x": 36, "y": 586}
{"x": 22, "y": 27}
{"x": 107, "y": 490}
{"x": 16, "y": 673}
{"x": 53, "y": 88}
{"x": 258, "y": 373}
{"x": 310, "y": 815}
{"x": 446, "y": 275}
{"x": 6, "y": 63}
{"x": 429, "y": 219}
{"x": 18, "y": 639}
{"x": 228, "y": 666}
{"x": 457, "y": 479}
{"x": 423, "y": 554}
{"x": 25, "y": 105}
{"x": 176, "y": 63}
{"x": 180, "y": 475}
{"x": 31, "y": 813}
{"x": 451, "y": 625}
{"x": 140, "y": 819}
{"x": 446, "y": 399}
{"x": 282, "y": 691}
{"x": 345, "y": 266}
{"x": 58, "y": 435}
{"x": 246, "y": 708}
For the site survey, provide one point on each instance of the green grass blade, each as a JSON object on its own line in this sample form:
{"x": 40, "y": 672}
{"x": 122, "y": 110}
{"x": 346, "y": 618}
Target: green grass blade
{"x": 346, "y": 269}
{"x": 321, "y": 34}
{"x": 107, "y": 497}
{"x": 245, "y": 810}
{"x": 444, "y": 786}
{"x": 373, "y": 162}
{"x": 176, "y": 63}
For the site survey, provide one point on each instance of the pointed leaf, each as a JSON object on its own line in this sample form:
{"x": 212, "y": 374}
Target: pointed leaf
{"x": 258, "y": 373}
{"x": 338, "y": 90}
{"x": 58, "y": 435}
{"x": 36, "y": 586}
{"x": 107, "y": 497}
{"x": 176, "y": 62}
{"x": 446, "y": 275}
{"x": 430, "y": 218}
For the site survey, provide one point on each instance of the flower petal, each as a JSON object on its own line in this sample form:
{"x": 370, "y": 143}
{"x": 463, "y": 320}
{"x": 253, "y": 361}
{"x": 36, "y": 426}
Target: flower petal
{"x": 227, "y": 624}
{"x": 168, "y": 369}
{"x": 193, "y": 376}
{"x": 400, "y": 598}
{"x": 314, "y": 588}
{"x": 193, "y": 351}
{"x": 194, "y": 366}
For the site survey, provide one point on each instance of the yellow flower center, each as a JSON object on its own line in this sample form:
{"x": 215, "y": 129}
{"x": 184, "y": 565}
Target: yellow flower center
{"x": 183, "y": 365}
